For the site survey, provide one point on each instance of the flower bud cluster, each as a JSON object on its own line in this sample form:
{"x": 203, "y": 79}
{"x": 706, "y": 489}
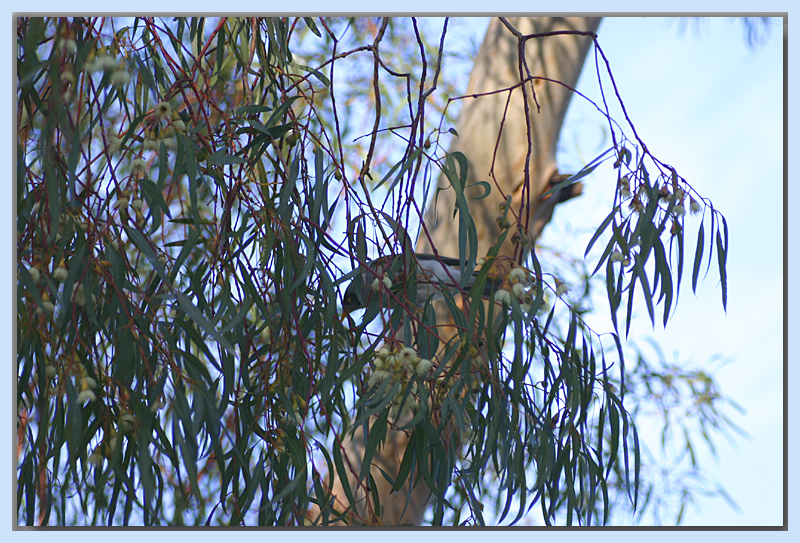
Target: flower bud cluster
{"x": 122, "y": 202}
{"x": 47, "y": 307}
{"x": 166, "y": 123}
{"x": 376, "y": 284}
{"x": 139, "y": 167}
{"x": 61, "y": 272}
{"x": 624, "y": 185}
{"x": 677, "y": 195}
{"x": 126, "y": 421}
{"x": 80, "y": 296}
{"x": 398, "y": 365}
{"x": 114, "y": 144}
{"x": 694, "y": 207}
{"x": 105, "y": 449}
{"x": 33, "y": 270}
{"x": 617, "y": 256}
{"x": 106, "y": 63}
{"x": 518, "y": 285}
{"x": 87, "y": 386}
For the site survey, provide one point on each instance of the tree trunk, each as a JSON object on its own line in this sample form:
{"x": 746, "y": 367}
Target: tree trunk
{"x": 510, "y": 165}
{"x": 492, "y": 135}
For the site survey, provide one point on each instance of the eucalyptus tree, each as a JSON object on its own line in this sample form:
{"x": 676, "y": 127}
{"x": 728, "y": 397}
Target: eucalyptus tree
{"x": 192, "y": 196}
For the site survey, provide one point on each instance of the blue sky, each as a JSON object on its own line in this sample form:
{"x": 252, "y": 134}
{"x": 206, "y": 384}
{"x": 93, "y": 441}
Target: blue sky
{"x": 712, "y": 108}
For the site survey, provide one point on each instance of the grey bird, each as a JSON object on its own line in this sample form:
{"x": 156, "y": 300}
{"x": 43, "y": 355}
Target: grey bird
{"x": 433, "y": 275}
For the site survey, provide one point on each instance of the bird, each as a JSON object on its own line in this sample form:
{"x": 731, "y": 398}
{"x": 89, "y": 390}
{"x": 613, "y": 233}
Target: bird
{"x": 433, "y": 275}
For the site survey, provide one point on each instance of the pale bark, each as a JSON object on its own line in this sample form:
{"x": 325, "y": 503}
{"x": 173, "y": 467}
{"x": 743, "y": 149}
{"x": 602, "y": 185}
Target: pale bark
{"x": 504, "y": 163}
{"x": 500, "y": 146}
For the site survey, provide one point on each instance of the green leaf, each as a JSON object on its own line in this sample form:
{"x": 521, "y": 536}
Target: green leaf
{"x": 722, "y": 257}
{"x": 376, "y": 434}
{"x": 487, "y": 189}
{"x": 311, "y": 26}
{"x": 284, "y": 209}
{"x": 638, "y": 271}
{"x": 191, "y": 310}
{"x": 598, "y": 233}
{"x": 586, "y": 170}
{"x": 405, "y": 165}
{"x": 144, "y": 245}
{"x": 280, "y": 111}
{"x": 245, "y": 110}
{"x": 698, "y": 257}
{"x": 221, "y": 159}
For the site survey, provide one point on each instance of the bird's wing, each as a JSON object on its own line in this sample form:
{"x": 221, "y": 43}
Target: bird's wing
{"x": 441, "y": 271}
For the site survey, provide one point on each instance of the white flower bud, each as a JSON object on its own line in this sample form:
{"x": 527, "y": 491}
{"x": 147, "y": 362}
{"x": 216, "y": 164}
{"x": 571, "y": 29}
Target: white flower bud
{"x": 408, "y": 357}
{"x": 423, "y": 367}
{"x": 34, "y": 273}
{"x": 107, "y": 62}
{"x": 170, "y": 143}
{"x": 126, "y": 420}
{"x": 96, "y": 458}
{"x": 163, "y": 110}
{"x": 80, "y": 296}
{"x": 86, "y": 396}
{"x": 60, "y": 273}
{"x": 113, "y": 144}
{"x": 377, "y": 378}
{"x": 47, "y": 308}
{"x": 88, "y": 383}
{"x": 139, "y": 166}
{"x": 120, "y": 77}
{"x": 70, "y": 46}
{"x": 518, "y": 275}
{"x": 502, "y": 296}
